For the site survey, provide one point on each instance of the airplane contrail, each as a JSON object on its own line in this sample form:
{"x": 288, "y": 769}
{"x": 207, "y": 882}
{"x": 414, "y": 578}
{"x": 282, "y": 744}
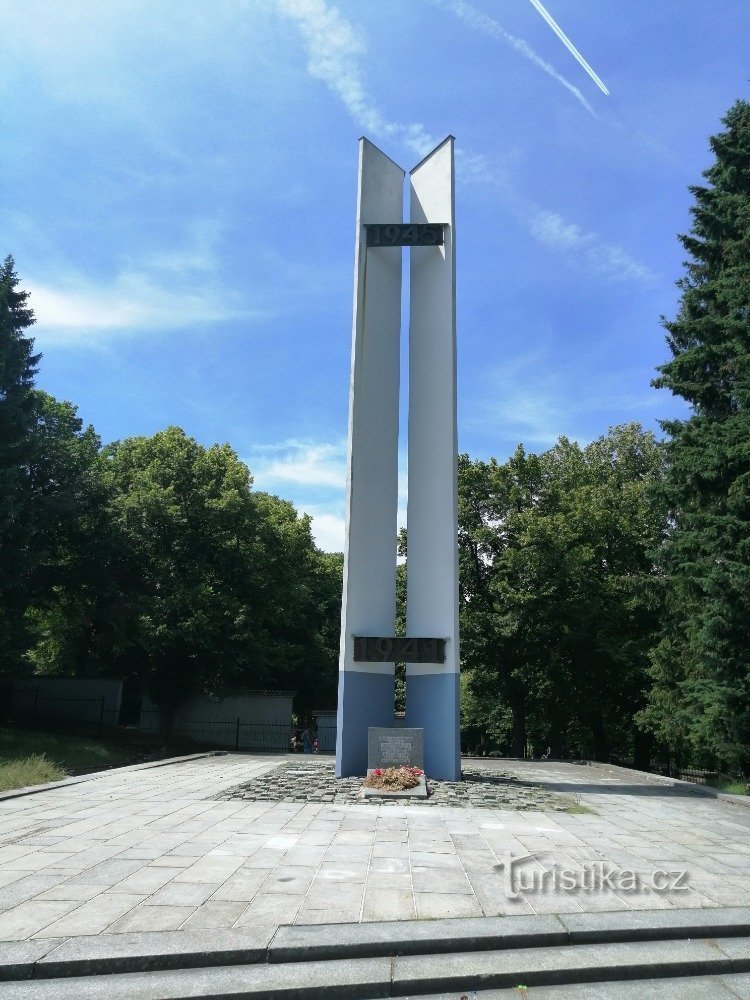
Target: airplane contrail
{"x": 482, "y": 22}
{"x": 538, "y": 6}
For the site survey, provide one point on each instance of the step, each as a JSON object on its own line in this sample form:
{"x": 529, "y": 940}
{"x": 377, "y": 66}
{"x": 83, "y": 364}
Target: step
{"x": 410, "y": 975}
{"x": 732, "y": 987}
{"x": 141, "y": 952}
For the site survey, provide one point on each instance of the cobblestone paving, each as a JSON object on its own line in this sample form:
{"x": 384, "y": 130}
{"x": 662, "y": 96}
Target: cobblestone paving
{"x": 315, "y": 782}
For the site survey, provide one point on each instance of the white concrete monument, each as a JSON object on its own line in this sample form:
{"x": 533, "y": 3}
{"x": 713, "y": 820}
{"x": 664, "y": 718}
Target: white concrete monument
{"x": 369, "y": 648}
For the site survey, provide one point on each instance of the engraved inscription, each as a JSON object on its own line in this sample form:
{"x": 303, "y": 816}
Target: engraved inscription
{"x": 398, "y": 649}
{"x": 395, "y": 750}
{"x": 406, "y": 234}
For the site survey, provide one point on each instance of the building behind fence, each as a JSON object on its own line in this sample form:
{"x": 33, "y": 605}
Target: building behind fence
{"x": 258, "y": 720}
{"x": 93, "y": 701}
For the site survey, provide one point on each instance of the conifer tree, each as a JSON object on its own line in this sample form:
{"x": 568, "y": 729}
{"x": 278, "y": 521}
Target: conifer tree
{"x": 701, "y": 668}
{"x": 17, "y": 420}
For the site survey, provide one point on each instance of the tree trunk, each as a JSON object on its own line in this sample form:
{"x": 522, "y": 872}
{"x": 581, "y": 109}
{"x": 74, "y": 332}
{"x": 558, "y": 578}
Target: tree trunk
{"x": 643, "y": 743}
{"x": 519, "y": 730}
{"x": 601, "y": 744}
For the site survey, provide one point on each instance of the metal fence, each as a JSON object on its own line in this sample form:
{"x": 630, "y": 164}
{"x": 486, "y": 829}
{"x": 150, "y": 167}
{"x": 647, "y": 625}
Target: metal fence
{"x": 33, "y": 706}
{"x": 241, "y": 734}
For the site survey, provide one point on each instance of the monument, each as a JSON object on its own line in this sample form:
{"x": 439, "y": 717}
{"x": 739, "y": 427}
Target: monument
{"x": 369, "y": 648}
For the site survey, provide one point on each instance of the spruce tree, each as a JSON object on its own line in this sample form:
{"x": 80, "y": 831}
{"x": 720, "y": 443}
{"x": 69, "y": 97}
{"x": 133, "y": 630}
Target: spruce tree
{"x": 701, "y": 668}
{"x": 18, "y": 366}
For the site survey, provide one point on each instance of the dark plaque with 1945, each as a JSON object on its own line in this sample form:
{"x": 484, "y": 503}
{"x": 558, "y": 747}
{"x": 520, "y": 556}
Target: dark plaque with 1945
{"x": 405, "y": 234}
{"x": 397, "y": 649}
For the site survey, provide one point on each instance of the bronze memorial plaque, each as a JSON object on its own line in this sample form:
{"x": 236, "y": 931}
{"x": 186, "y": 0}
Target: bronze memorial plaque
{"x": 405, "y": 234}
{"x": 398, "y": 649}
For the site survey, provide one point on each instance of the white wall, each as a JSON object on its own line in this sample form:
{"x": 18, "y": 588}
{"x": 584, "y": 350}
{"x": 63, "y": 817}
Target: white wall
{"x": 265, "y": 720}
{"x": 75, "y": 698}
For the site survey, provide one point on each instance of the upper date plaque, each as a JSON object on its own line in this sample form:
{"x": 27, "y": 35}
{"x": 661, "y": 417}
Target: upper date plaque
{"x": 405, "y": 234}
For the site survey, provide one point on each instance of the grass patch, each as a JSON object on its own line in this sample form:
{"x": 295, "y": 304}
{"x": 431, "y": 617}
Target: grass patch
{"x": 34, "y": 770}
{"x": 28, "y": 757}
{"x": 576, "y": 809}
{"x": 732, "y": 787}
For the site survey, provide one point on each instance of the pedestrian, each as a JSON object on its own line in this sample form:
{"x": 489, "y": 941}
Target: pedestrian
{"x": 306, "y": 741}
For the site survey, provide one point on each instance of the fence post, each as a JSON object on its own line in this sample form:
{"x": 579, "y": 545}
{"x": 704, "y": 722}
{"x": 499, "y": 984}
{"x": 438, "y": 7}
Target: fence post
{"x": 237, "y": 737}
{"x": 101, "y": 717}
{"x": 36, "y": 701}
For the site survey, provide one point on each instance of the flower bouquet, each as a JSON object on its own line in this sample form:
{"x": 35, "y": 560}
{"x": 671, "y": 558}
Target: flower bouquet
{"x": 393, "y": 779}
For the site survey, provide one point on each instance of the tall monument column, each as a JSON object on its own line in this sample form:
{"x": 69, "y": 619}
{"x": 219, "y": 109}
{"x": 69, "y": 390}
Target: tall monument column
{"x": 432, "y": 689}
{"x": 366, "y": 689}
{"x": 369, "y": 645}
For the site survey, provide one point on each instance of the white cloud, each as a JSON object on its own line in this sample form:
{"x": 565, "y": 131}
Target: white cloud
{"x": 533, "y": 400}
{"x": 328, "y": 530}
{"x": 312, "y": 475}
{"x": 299, "y": 463}
{"x": 333, "y": 51}
{"x": 132, "y": 302}
{"x": 602, "y": 258}
{"x": 172, "y": 288}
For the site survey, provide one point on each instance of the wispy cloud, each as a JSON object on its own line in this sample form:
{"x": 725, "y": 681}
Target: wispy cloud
{"x": 599, "y": 256}
{"x": 300, "y": 463}
{"x": 542, "y": 10}
{"x": 333, "y": 51}
{"x": 166, "y": 289}
{"x": 531, "y": 399}
{"x": 131, "y": 302}
{"x": 491, "y": 28}
{"x": 312, "y": 474}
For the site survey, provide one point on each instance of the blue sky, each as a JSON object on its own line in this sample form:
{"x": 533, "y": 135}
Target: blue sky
{"x": 178, "y": 183}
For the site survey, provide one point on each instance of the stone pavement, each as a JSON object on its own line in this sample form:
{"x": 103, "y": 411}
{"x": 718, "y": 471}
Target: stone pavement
{"x": 310, "y": 780}
{"x": 153, "y": 850}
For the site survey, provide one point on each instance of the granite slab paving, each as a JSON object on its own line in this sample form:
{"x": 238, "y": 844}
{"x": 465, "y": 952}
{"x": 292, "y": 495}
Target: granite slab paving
{"x": 178, "y": 848}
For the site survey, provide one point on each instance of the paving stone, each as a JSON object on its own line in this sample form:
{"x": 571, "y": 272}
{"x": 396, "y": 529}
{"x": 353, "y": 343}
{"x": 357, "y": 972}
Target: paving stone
{"x": 265, "y": 909}
{"x": 152, "y": 918}
{"x": 421, "y": 937}
{"x": 189, "y": 894}
{"x": 216, "y": 913}
{"x": 301, "y": 981}
{"x": 30, "y": 917}
{"x": 91, "y": 917}
{"x": 437, "y": 905}
{"x": 388, "y": 904}
{"x": 153, "y": 950}
{"x": 599, "y": 927}
{"x": 18, "y": 958}
{"x": 687, "y": 988}
{"x": 242, "y": 885}
{"x": 315, "y": 781}
{"x": 542, "y": 966}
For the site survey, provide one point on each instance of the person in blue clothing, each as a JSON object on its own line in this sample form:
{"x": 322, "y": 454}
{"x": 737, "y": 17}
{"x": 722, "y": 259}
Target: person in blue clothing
{"x": 306, "y": 741}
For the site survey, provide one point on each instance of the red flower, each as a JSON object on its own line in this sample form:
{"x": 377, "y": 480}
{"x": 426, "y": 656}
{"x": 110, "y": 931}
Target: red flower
{"x": 377, "y": 771}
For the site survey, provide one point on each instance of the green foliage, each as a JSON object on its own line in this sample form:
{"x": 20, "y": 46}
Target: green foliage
{"x": 17, "y": 417}
{"x": 559, "y": 592}
{"x": 700, "y": 698}
{"x": 223, "y": 589}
